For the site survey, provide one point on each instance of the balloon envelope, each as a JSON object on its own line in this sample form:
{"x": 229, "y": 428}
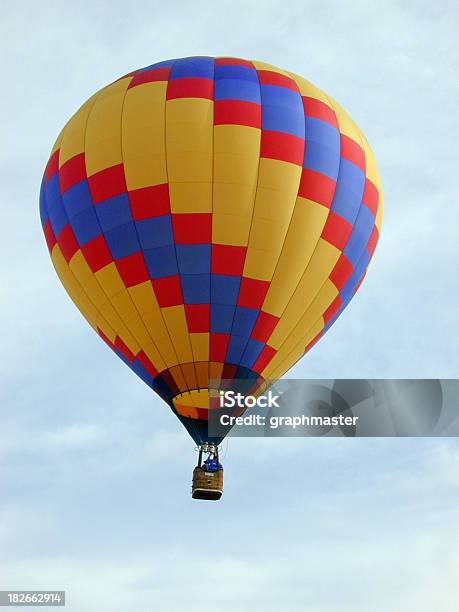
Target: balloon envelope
{"x": 210, "y": 218}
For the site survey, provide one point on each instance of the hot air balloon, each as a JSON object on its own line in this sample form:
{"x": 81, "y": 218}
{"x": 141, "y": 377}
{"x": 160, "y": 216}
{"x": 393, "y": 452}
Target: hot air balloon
{"x": 210, "y": 218}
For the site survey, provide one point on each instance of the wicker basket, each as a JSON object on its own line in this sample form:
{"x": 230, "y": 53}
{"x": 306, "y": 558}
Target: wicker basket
{"x": 207, "y": 485}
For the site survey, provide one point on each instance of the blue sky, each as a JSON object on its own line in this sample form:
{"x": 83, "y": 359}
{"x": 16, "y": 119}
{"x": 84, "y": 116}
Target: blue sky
{"x": 94, "y": 470}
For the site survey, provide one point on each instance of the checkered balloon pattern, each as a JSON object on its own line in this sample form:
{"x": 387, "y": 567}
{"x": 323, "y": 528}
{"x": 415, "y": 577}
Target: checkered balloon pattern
{"x": 210, "y": 218}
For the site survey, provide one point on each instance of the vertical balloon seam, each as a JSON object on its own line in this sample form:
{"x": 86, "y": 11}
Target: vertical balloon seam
{"x": 166, "y": 327}
{"x": 212, "y": 223}
{"x": 241, "y": 370}
{"x": 192, "y": 350}
{"x": 122, "y": 118}
{"x": 288, "y": 227}
{"x": 211, "y": 242}
{"x": 179, "y": 363}
{"x": 198, "y": 388}
{"x": 310, "y": 258}
{"x": 252, "y": 217}
{"x": 193, "y": 362}
{"x": 211, "y": 230}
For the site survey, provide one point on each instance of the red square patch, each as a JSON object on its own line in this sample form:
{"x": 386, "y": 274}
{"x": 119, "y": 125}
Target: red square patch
{"x": 124, "y": 350}
{"x": 150, "y": 368}
{"x": 232, "y": 61}
{"x": 336, "y": 230}
{"x": 237, "y": 112}
{"x": 149, "y": 76}
{"x": 197, "y": 317}
{"x": 252, "y": 292}
{"x": 268, "y": 77}
{"x": 168, "y": 291}
{"x": 150, "y": 202}
{"x": 332, "y": 309}
{"x": 193, "y": 87}
{"x": 264, "y": 358}
{"x": 353, "y": 152}
{"x": 52, "y": 166}
{"x": 319, "y": 110}
{"x": 284, "y": 147}
{"x": 228, "y": 259}
{"x": 72, "y": 172}
{"x": 68, "y": 243}
{"x": 342, "y": 271}
{"x": 218, "y": 347}
{"x": 373, "y": 241}
{"x": 371, "y": 197}
{"x": 132, "y": 269}
{"x": 264, "y": 326}
{"x": 107, "y": 183}
{"x": 192, "y": 228}
{"x": 49, "y": 236}
{"x": 97, "y": 254}
{"x": 317, "y": 187}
